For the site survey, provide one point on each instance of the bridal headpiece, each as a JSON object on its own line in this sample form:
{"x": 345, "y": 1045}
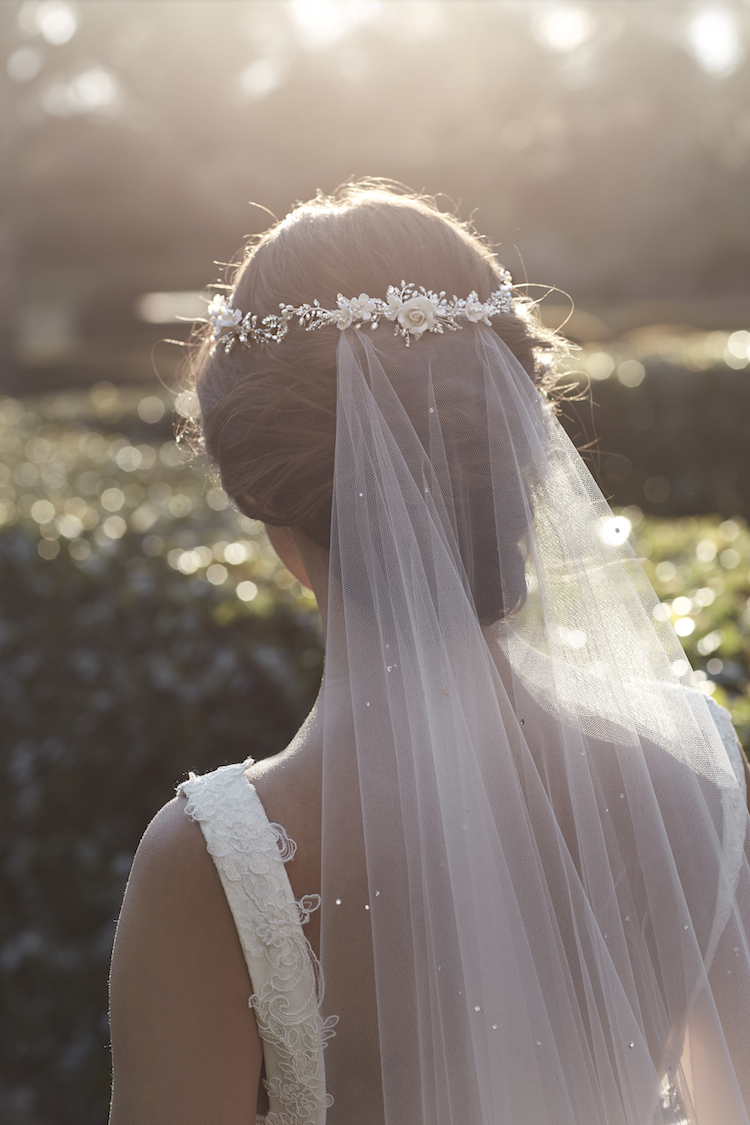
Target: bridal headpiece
{"x": 412, "y": 309}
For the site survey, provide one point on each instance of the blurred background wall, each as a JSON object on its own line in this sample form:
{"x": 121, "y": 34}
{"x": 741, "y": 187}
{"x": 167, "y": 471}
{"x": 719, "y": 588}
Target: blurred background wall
{"x": 145, "y": 629}
{"x": 603, "y": 145}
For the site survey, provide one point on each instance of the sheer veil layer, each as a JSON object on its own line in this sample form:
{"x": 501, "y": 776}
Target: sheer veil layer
{"x": 535, "y": 881}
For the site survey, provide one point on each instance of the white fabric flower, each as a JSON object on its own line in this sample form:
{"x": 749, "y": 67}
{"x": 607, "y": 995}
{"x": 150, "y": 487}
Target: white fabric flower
{"x": 417, "y": 315}
{"x": 394, "y": 303}
{"x": 362, "y": 307}
{"x": 221, "y": 315}
{"x": 476, "y": 310}
{"x": 342, "y": 317}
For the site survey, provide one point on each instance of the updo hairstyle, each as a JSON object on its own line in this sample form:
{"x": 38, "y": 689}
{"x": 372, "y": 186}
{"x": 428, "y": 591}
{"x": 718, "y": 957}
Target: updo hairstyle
{"x": 268, "y": 412}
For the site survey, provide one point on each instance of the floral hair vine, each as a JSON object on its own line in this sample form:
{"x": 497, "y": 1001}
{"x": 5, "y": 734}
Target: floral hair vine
{"x": 412, "y": 309}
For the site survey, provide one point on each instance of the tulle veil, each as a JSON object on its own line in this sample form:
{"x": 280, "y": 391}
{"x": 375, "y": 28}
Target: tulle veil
{"x": 535, "y": 881}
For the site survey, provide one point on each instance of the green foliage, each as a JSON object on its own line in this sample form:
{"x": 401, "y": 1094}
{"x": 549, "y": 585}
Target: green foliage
{"x": 119, "y": 673}
{"x": 700, "y": 569}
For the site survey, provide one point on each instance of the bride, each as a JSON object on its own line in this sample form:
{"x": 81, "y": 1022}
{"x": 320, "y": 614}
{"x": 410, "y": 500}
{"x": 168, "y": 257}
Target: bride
{"x": 500, "y": 876}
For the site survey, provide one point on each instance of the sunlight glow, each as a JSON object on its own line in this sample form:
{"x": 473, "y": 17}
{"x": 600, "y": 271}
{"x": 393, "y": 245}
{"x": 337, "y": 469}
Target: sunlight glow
{"x": 710, "y": 642}
{"x": 563, "y": 27}
{"x": 170, "y": 308}
{"x": 615, "y": 530}
{"x": 631, "y": 373}
{"x": 738, "y": 345}
{"x": 262, "y": 77}
{"x": 572, "y": 638}
{"x": 324, "y": 22}
{"x": 92, "y": 89}
{"x": 151, "y": 409}
{"x": 714, "y": 38}
{"x": 55, "y": 20}
{"x": 599, "y": 365}
{"x": 185, "y": 404}
{"x": 24, "y": 64}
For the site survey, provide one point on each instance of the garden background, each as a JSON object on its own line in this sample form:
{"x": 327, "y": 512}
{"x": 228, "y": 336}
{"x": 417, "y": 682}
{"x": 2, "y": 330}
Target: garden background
{"x": 145, "y": 628}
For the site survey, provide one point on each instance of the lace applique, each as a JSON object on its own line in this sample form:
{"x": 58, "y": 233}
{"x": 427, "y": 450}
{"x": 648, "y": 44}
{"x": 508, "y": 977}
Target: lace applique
{"x": 250, "y": 853}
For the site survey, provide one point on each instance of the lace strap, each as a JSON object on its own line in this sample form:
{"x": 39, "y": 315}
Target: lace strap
{"x": 250, "y": 852}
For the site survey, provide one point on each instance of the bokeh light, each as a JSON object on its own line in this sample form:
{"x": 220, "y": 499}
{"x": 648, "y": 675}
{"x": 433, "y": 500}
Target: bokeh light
{"x": 24, "y": 64}
{"x": 55, "y": 20}
{"x": 564, "y": 27}
{"x": 261, "y": 77}
{"x": 321, "y": 23}
{"x": 714, "y": 36}
{"x": 615, "y": 530}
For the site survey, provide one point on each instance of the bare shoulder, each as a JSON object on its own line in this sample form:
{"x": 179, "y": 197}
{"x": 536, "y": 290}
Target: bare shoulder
{"x": 184, "y": 1042}
{"x": 172, "y": 841}
{"x": 173, "y": 881}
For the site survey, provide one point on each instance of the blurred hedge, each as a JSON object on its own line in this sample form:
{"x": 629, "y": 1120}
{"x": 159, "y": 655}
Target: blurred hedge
{"x": 146, "y": 630}
{"x": 116, "y": 678}
{"x": 700, "y": 568}
{"x": 119, "y": 673}
{"x": 669, "y": 419}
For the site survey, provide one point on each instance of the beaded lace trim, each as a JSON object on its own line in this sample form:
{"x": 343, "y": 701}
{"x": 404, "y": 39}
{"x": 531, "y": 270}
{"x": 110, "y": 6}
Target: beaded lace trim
{"x": 412, "y": 309}
{"x": 250, "y": 853}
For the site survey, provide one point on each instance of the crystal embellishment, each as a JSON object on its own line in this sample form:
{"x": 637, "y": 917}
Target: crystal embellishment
{"x": 413, "y": 310}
